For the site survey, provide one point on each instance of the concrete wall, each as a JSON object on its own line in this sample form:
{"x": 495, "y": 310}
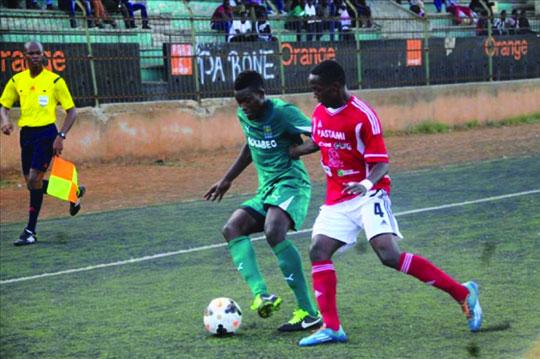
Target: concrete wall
{"x": 164, "y": 129}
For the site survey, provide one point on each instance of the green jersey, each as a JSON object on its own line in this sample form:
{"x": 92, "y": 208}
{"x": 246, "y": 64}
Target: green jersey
{"x": 269, "y": 140}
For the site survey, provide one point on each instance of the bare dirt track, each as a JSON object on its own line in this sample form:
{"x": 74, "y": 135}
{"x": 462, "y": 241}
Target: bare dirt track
{"x": 122, "y": 185}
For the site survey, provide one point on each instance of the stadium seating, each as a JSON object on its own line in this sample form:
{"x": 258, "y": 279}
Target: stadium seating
{"x": 174, "y": 20}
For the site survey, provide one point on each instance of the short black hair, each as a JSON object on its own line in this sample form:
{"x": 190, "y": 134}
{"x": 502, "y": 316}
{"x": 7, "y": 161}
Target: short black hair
{"x": 329, "y": 71}
{"x": 249, "y": 79}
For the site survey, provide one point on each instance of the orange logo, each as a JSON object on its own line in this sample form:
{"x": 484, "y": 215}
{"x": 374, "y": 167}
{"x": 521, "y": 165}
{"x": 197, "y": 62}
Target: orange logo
{"x": 414, "y": 52}
{"x": 515, "y": 48}
{"x": 181, "y": 59}
{"x": 14, "y": 60}
{"x": 306, "y": 56}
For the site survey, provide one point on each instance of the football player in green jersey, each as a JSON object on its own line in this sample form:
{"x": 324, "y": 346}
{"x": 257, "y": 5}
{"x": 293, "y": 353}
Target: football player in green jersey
{"x": 270, "y": 127}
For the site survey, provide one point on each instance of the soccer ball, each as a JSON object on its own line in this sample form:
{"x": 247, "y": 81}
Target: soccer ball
{"x": 222, "y": 316}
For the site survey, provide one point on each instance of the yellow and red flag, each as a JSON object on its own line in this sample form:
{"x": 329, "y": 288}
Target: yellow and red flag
{"x": 63, "y": 180}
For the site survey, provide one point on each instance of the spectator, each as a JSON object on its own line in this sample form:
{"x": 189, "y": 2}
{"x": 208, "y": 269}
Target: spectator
{"x": 33, "y": 5}
{"x": 295, "y": 18}
{"x": 312, "y": 23}
{"x": 523, "y": 24}
{"x": 364, "y": 13}
{"x": 345, "y": 23}
{"x": 459, "y": 12}
{"x": 513, "y": 22}
{"x": 327, "y": 12}
{"x": 438, "y": 4}
{"x": 101, "y": 16}
{"x": 222, "y": 17}
{"x": 417, "y": 6}
{"x": 71, "y": 7}
{"x": 280, "y": 5}
{"x": 504, "y": 25}
{"x": 241, "y": 30}
{"x": 131, "y": 7}
{"x": 482, "y": 24}
{"x": 476, "y": 6}
{"x": 264, "y": 30}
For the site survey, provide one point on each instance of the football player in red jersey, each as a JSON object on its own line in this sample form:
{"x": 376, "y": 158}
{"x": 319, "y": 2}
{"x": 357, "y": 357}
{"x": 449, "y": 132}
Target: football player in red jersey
{"x": 348, "y": 133}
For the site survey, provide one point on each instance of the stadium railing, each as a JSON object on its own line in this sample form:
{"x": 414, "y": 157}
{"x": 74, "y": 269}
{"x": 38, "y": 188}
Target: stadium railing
{"x": 390, "y": 52}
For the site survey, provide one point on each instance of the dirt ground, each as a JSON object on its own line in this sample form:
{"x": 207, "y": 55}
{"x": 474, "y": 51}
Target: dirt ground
{"x": 121, "y": 185}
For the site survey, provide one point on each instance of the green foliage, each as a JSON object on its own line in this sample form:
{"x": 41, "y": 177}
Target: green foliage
{"x": 430, "y": 127}
{"x": 514, "y": 121}
{"x": 153, "y": 309}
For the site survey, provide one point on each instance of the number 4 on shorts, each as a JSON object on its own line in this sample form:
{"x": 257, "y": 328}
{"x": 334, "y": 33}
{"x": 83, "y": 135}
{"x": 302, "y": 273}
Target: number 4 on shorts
{"x": 378, "y": 210}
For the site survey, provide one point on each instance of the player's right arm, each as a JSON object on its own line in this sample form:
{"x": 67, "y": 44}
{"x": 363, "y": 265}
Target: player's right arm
{"x": 222, "y": 186}
{"x": 9, "y": 97}
{"x": 5, "y": 123}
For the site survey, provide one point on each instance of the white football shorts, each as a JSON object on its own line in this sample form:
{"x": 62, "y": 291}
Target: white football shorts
{"x": 344, "y": 221}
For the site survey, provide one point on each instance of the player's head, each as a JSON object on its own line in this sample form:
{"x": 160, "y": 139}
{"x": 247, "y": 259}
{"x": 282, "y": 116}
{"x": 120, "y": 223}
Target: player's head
{"x": 33, "y": 51}
{"x": 249, "y": 93}
{"x": 327, "y": 82}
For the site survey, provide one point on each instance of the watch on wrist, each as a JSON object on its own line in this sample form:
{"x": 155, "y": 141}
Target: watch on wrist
{"x": 62, "y": 134}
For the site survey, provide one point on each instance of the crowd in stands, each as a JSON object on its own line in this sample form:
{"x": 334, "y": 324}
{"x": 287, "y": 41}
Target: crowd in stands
{"x": 247, "y": 20}
{"x": 98, "y": 12}
{"x": 477, "y": 14}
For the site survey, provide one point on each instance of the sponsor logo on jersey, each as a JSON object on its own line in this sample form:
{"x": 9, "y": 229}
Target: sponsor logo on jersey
{"x": 342, "y": 146}
{"x": 342, "y": 173}
{"x": 336, "y": 135}
{"x": 263, "y": 144}
{"x": 324, "y": 144}
{"x": 267, "y": 130}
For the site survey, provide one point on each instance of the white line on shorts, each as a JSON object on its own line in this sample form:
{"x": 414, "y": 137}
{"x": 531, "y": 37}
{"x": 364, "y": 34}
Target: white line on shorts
{"x": 212, "y": 246}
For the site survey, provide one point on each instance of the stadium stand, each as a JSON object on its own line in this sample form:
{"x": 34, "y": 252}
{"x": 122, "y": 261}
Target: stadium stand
{"x": 188, "y": 22}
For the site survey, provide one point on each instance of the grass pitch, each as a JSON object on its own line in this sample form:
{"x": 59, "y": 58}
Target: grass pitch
{"x": 153, "y": 308}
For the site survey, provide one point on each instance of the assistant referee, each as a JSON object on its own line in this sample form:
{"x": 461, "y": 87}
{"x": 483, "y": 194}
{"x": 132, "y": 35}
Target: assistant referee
{"x": 38, "y": 91}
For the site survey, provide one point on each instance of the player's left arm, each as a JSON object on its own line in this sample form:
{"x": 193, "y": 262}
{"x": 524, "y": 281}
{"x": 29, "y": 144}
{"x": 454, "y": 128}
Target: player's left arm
{"x": 377, "y": 172}
{"x": 375, "y": 155}
{"x": 307, "y": 147}
{"x": 63, "y": 96}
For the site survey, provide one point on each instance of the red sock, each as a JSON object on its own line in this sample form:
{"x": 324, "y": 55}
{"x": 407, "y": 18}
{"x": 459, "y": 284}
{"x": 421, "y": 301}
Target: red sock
{"x": 427, "y": 272}
{"x": 325, "y": 283}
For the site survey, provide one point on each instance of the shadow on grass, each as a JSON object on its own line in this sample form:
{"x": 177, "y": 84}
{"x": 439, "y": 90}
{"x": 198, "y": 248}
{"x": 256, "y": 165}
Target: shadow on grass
{"x": 473, "y": 349}
{"x": 488, "y": 251}
{"x": 496, "y": 328}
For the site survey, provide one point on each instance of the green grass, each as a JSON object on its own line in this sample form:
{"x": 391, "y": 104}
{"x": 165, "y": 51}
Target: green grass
{"x": 5, "y": 183}
{"x": 153, "y": 309}
{"x": 430, "y": 127}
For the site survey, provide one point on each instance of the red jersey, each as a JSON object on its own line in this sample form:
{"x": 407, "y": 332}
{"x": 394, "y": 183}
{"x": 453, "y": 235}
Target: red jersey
{"x": 350, "y": 140}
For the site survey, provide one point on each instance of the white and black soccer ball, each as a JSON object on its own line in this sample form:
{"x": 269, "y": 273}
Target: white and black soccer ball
{"x": 223, "y": 316}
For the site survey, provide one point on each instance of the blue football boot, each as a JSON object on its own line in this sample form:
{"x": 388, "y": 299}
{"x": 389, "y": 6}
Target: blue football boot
{"x": 324, "y": 336}
{"x": 471, "y": 307}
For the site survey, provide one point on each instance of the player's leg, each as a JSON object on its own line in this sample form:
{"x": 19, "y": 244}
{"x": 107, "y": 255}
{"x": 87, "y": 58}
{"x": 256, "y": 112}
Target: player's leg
{"x": 333, "y": 230}
{"x": 325, "y": 286}
{"x": 236, "y": 232}
{"x": 383, "y": 232}
{"x": 277, "y": 223}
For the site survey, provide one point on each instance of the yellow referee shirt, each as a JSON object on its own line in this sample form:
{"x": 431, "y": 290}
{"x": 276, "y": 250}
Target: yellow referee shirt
{"x": 38, "y": 97}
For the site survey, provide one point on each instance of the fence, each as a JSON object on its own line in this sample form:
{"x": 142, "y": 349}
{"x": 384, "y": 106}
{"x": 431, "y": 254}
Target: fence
{"x": 182, "y": 57}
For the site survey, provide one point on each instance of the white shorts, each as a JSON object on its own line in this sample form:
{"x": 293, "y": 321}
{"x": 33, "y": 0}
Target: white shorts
{"x": 344, "y": 221}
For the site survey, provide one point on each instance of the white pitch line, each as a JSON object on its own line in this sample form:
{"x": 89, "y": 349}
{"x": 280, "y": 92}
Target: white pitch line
{"x": 212, "y": 246}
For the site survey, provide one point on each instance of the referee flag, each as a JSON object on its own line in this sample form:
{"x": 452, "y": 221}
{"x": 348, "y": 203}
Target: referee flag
{"x": 63, "y": 180}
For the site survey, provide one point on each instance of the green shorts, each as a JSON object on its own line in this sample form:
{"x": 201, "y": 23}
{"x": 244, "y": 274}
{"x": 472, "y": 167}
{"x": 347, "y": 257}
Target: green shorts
{"x": 293, "y": 198}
